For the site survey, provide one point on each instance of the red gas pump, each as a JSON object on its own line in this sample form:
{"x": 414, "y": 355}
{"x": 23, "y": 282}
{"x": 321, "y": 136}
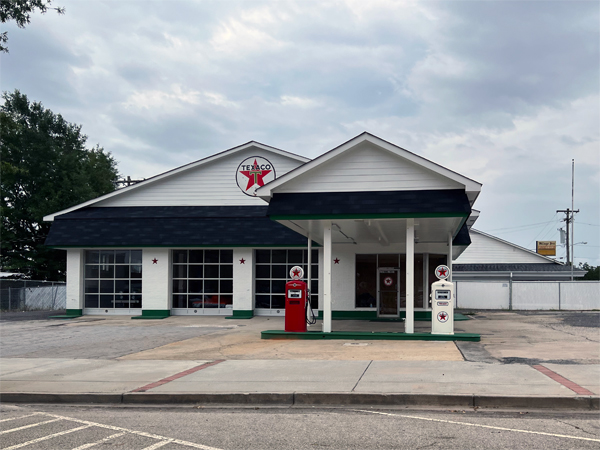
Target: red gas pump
{"x": 295, "y": 306}
{"x": 296, "y": 293}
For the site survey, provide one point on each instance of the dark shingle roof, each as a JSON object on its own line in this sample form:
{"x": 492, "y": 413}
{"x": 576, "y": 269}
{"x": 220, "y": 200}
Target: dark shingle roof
{"x": 514, "y": 267}
{"x": 227, "y": 226}
{"x": 453, "y": 201}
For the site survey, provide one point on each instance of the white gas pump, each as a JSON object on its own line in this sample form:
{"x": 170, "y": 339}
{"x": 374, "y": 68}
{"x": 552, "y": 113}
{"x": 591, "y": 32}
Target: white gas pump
{"x": 442, "y": 303}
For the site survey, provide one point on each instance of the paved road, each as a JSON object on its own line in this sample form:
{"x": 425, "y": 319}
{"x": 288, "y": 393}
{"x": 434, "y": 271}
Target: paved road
{"x": 45, "y": 427}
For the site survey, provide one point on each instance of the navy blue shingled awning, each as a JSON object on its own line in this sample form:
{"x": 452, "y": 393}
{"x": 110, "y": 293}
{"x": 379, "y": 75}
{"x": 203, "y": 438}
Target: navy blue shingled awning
{"x": 380, "y": 204}
{"x": 171, "y": 226}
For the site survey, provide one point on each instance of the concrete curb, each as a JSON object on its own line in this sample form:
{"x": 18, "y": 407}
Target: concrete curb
{"x": 313, "y": 399}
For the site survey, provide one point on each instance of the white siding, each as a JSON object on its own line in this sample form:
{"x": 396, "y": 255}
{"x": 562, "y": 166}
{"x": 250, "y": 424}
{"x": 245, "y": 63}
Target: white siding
{"x": 368, "y": 168}
{"x": 210, "y": 184}
{"x": 484, "y": 249}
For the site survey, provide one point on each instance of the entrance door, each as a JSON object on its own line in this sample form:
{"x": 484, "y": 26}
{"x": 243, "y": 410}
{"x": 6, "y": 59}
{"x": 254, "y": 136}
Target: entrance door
{"x": 389, "y": 292}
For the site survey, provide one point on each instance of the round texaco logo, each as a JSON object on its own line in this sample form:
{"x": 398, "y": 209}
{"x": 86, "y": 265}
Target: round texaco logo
{"x": 388, "y": 281}
{"x": 297, "y": 273}
{"x": 254, "y": 172}
{"x": 442, "y": 272}
{"x": 442, "y": 316}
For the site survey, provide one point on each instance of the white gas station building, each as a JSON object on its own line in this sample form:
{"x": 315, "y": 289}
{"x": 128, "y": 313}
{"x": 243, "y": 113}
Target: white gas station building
{"x": 218, "y": 236}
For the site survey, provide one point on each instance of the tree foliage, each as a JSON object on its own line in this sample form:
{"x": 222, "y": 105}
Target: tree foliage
{"x": 45, "y": 168}
{"x": 20, "y": 11}
{"x": 593, "y": 273}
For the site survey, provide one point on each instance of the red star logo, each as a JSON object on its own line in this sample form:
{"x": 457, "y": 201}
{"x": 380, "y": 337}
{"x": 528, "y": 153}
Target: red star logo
{"x": 242, "y": 261}
{"x": 155, "y": 261}
{"x": 255, "y": 176}
{"x": 296, "y": 272}
{"x": 443, "y": 272}
{"x": 336, "y": 261}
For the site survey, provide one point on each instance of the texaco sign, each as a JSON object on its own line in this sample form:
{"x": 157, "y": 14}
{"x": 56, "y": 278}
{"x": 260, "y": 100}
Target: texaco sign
{"x": 253, "y": 173}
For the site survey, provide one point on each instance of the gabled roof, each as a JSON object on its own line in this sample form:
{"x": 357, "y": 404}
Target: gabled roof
{"x": 472, "y": 187}
{"x": 177, "y": 171}
{"x": 523, "y": 249}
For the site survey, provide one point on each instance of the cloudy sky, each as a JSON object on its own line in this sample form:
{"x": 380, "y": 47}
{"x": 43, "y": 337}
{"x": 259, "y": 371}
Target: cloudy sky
{"x": 504, "y": 92}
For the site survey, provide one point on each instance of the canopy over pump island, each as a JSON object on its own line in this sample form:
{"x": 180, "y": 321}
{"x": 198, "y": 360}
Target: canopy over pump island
{"x": 367, "y": 223}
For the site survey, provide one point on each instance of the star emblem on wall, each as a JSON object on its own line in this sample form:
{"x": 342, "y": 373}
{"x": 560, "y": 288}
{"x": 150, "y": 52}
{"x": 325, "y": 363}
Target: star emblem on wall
{"x": 255, "y": 176}
{"x": 336, "y": 261}
{"x": 242, "y": 261}
{"x": 155, "y": 261}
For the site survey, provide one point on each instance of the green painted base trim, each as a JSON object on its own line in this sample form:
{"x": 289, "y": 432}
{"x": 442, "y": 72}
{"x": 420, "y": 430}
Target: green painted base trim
{"x": 70, "y": 314}
{"x": 241, "y": 314}
{"x": 370, "y": 336}
{"x": 153, "y": 314}
{"x": 420, "y": 316}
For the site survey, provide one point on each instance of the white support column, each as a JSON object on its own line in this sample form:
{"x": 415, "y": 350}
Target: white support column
{"x": 327, "y": 277}
{"x": 409, "y": 324}
{"x": 426, "y": 281}
{"x": 449, "y": 258}
{"x": 75, "y": 279}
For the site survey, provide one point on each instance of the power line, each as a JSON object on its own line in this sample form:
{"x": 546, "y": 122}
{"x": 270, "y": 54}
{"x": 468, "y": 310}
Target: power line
{"x": 522, "y": 226}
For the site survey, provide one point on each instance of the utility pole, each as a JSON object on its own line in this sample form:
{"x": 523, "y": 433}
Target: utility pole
{"x": 568, "y": 220}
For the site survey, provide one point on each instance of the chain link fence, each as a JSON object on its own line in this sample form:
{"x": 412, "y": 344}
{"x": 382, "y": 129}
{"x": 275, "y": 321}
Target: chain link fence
{"x": 30, "y": 295}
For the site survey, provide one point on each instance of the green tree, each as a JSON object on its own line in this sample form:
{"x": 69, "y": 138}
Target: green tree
{"x": 45, "y": 168}
{"x": 593, "y": 273}
{"x": 20, "y": 11}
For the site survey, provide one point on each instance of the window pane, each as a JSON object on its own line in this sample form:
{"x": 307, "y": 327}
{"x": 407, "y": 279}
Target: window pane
{"x": 196, "y": 257}
{"x": 314, "y": 286}
{"x": 107, "y": 286}
{"x": 263, "y": 286}
{"x": 211, "y": 256}
{"x": 263, "y": 271}
{"x": 136, "y": 271}
{"x": 226, "y": 286}
{"x": 225, "y": 300}
{"x": 179, "y": 301}
{"x": 122, "y": 257}
{"x": 278, "y": 286}
{"x": 314, "y": 303}
{"x": 179, "y": 286}
{"x": 180, "y": 271}
{"x": 226, "y": 256}
{"x": 195, "y": 301}
{"x": 107, "y": 271}
{"x": 278, "y": 302}
{"x": 121, "y": 271}
{"x": 315, "y": 256}
{"x": 106, "y": 301}
{"x": 227, "y": 271}
{"x": 121, "y": 301}
{"x": 121, "y": 286}
{"x": 92, "y": 256}
{"x": 280, "y": 272}
{"x": 196, "y": 271}
{"x": 107, "y": 257}
{"x": 279, "y": 256}
{"x": 295, "y": 257}
{"x": 211, "y": 271}
{"x": 195, "y": 286}
{"x": 262, "y": 301}
{"x": 92, "y": 271}
{"x": 135, "y": 301}
{"x": 91, "y": 286}
{"x": 263, "y": 256}
{"x": 91, "y": 301}
{"x": 211, "y": 286}
{"x": 179, "y": 256}
{"x": 136, "y": 286}
{"x": 136, "y": 256}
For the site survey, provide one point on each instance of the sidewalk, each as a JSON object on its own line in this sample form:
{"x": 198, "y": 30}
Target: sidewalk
{"x": 449, "y": 381}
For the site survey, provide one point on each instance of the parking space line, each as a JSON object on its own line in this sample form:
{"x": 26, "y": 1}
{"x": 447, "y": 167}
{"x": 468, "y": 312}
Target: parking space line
{"x": 177, "y": 375}
{"x": 29, "y": 426}
{"x": 562, "y": 380}
{"x": 467, "y": 424}
{"x": 45, "y": 438}
{"x": 158, "y": 445}
{"x": 101, "y": 441}
{"x": 20, "y": 417}
{"x": 139, "y": 433}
